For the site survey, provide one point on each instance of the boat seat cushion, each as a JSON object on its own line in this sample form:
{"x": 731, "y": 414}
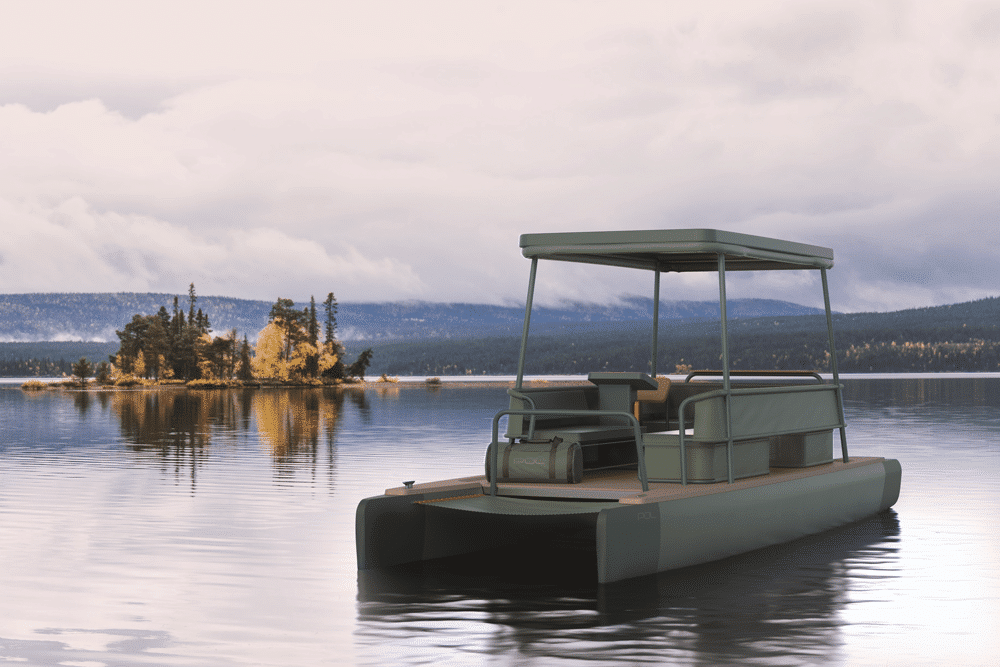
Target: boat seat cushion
{"x": 587, "y": 434}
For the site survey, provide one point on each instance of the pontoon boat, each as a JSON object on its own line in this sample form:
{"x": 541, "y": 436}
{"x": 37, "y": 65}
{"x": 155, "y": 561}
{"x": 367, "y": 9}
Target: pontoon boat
{"x": 655, "y": 475}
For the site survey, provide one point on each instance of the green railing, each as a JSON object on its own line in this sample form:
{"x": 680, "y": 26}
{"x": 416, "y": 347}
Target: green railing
{"x": 727, "y": 420}
{"x": 624, "y": 416}
{"x": 768, "y": 374}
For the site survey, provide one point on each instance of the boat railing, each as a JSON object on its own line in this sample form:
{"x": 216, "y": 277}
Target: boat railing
{"x": 532, "y": 413}
{"x": 836, "y": 419}
{"x": 513, "y": 393}
{"x": 767, "y": 374}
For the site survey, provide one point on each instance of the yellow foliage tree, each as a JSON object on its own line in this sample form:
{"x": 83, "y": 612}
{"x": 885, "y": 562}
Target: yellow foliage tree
{"x": 299, "y": 358}
{"x": 166, "y": 372}
{"x": 269, "y": 354}
{"x": 287, "y": 348}
{"x": 328, "y": 357}
{"x": 139, "y": 365}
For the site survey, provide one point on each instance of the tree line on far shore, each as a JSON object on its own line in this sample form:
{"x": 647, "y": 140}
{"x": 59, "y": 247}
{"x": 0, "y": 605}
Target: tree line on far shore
{"x": 177, "y": 347}
{"x": 958, "y": 337}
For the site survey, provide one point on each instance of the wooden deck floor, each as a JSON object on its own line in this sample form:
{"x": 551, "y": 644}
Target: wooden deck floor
{"x": 623, "y": 485}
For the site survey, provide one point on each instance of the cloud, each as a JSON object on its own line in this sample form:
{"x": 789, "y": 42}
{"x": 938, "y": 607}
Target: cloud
{"x": 109, "y": 252}
{"x": 398, "y": 150}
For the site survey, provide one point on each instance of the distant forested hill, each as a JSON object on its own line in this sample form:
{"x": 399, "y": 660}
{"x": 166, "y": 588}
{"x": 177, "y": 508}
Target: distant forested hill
{"x": 96, "y": 317}
{"x": 454, "y": 339}
{"x": 960, "y": 337}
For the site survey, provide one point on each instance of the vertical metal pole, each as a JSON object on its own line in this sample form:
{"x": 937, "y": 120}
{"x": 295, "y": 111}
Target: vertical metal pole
{"x": 656, "y": 321}
{"x": 833, "y": 366}
{"x": 725, "y": 366}
{"x": 527, "y": 322}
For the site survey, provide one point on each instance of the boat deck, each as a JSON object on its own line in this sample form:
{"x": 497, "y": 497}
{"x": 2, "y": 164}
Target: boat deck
{"x": 621, "y": 485}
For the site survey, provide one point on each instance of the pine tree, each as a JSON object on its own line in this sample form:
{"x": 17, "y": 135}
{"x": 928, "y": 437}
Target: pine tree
{"x": 313, "y": 324}
{"x": 312, "y": 360}
{"x": 201, "y": 322}
{"x": 83, "y": 370}
{"x": 103, "y": 374}
{"x": 292, "y": 323}
{"x": 192, "y": 298}
{"x": 245, "y": 373}
{"x": 331, "y": 318}
{"x": 360, "y": 366}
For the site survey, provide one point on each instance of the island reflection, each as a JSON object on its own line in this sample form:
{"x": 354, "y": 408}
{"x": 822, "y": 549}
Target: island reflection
{"x": 180, "y": 426}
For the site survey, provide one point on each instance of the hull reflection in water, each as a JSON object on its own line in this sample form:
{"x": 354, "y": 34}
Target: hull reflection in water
{"x": 775, "y": 604}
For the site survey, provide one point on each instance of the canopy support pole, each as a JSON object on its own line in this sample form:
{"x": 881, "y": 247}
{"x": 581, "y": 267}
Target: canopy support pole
{"x": 833, "y": 367}
{"x": 527, "y": 322}
{"x": 725, "y": 366}
{"x": 656, "y": 321}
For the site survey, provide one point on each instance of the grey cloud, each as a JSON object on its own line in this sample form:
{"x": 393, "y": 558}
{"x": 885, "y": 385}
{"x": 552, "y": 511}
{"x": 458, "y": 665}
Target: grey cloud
{"x": 406, "y": 164}
{"x": 45, "y": 92}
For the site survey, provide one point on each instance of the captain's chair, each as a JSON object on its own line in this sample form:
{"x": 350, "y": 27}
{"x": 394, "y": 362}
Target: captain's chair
{"x": 653, "y": 397}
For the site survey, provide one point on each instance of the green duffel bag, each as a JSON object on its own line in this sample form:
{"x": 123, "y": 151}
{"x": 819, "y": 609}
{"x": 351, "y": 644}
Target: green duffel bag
{"x": 550, "y": 461}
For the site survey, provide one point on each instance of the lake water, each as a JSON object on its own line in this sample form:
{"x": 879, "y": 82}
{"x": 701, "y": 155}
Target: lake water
{"x": 183, "y": 528}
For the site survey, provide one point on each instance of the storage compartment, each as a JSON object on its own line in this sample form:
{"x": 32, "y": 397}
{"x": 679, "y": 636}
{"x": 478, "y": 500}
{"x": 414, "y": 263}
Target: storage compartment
{"x": 801, "y": 450}
{"x": 706, "y": 461}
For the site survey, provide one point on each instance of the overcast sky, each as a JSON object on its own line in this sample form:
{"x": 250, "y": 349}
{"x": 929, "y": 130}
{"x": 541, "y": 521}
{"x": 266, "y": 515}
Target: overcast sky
{"x": 396, "y": 150}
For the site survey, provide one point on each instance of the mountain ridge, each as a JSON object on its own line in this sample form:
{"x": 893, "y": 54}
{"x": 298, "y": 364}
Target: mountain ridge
{"x": 442, "y": 339}
{"x": 94, "y": 317}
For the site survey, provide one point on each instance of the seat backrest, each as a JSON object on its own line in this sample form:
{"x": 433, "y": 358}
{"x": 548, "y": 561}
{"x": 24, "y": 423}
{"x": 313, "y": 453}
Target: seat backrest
{"x": 658, "y": 395}
{"x": 571, "y": 398}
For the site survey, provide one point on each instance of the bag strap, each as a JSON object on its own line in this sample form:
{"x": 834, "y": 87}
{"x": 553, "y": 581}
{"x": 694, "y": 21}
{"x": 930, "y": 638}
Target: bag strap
{"x": 556, "y": 441}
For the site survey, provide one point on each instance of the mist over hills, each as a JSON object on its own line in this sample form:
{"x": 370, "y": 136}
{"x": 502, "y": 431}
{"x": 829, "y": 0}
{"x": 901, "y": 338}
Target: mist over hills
{"x": 418, "y": 338}
{"x": 94, "y": 317}
{"x": 957, "y": 337}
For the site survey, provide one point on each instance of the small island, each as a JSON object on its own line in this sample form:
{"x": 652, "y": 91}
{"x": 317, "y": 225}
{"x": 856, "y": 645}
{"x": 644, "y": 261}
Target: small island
{"x": 171, "y": 348}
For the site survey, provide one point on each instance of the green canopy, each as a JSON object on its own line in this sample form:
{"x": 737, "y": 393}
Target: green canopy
{"x": 676, "y": 250}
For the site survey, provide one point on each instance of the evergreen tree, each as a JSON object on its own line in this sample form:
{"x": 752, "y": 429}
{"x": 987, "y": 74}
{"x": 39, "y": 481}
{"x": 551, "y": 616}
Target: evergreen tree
{"x": 331, "y": 317}
{"x": 186, "y": 354}
{"x": 360, "y": 366}
{"x": 103, "y": 374}
{"x": 192, "y": 298}
{"x": 82, "y": 370}
{"x": 245, "y": 372}
{"x": 292, "y": 323}
{"x": 145, "y": 335}
{"x": 312, "y": 360}
{"x": 201, "y": 322}
{"x": 313, "y": 324}
{"x": 164, "y": 317}
{"x": 156, "y": 346}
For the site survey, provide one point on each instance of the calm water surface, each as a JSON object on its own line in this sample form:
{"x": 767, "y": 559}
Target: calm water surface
{"x": 217, "y": 528}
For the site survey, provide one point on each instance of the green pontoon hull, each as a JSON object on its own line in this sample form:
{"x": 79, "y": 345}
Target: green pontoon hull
{"x": 629, "y": 540}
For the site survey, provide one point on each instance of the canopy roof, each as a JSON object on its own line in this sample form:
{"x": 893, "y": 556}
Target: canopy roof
{"x": 676, "y": 250}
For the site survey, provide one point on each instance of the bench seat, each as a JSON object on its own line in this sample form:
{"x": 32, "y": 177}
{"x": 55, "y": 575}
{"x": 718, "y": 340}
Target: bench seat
{"x": 587, "y": 434}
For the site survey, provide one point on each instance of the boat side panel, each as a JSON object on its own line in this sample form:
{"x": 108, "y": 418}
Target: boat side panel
{"x": 392, "y": 530}
{"x": 708, "y": 528}
{"x": 389, "y": 530}
{"x": 628, "y": 541}
{"x": 395, "y": 529}
{"x": 893, "y": 480}
{"x": 705, "y": 528}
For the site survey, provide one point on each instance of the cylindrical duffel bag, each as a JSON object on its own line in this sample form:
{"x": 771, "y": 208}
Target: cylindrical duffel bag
{"x": 551, "y": 461}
